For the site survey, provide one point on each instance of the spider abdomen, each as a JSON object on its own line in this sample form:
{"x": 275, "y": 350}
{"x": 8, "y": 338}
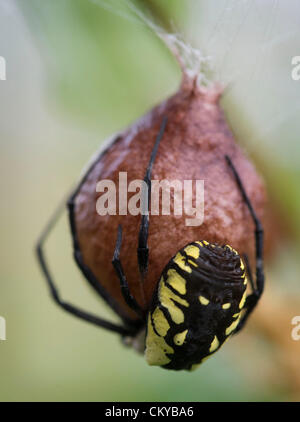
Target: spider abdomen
{"x": 197, "y": 305}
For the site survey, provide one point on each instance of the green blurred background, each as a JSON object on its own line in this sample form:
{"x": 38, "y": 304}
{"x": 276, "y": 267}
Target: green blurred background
{"x": 78, "y": 71}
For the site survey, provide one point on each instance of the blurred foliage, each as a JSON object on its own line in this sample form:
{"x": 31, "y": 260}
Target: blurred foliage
{"x": 78, "y": 72}
{"x": 103, "y": 63}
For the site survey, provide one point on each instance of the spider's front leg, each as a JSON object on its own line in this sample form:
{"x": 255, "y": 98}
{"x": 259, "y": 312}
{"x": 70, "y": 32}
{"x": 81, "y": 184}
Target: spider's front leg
{"x": 142, "y": 251}
{"x": 129, "y": 299}
{"x": 67, "y": 306}
{"x": 253, "y": 298}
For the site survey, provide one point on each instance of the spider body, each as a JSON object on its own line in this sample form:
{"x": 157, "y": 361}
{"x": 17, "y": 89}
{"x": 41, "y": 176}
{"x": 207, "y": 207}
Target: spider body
{"x": 194, "y": 144}
{"x": 197, "y": 305}
{"x": 199, "y": 300}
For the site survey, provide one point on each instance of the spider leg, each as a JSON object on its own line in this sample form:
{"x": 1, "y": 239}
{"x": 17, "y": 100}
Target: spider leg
{"x": 129, "y": 299}
{"x": 74, "y": 310}
{"x": 253, "y": 298}
{"x": 143, "y": 251}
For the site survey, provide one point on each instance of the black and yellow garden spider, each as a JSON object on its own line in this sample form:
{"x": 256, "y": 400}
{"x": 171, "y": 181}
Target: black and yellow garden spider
{"x": 199, "y": 301}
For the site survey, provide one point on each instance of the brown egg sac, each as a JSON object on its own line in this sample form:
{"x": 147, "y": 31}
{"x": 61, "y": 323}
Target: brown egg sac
{"x": 193, "y": 147}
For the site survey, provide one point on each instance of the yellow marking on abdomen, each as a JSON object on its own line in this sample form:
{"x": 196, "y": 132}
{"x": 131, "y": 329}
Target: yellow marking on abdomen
{"x": 192, "y": 263}
{"x": 180, "y": 261}
{"x": 193, "y": 251}
{"x": 233, "y": 250}
{"x": 203, "y": 300}
{"x": 160, "y": 322}
{"x": 165, "y": 296}
{"x": 156, "y": 348}
{"x": 180, "y": 338}
{"x": 176, "y": 281}
{"x": 214, "y": 345}
{"x": 226, "y": 305}
{"x": 242, "y": 302}
{"x": 233, "y": 326}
